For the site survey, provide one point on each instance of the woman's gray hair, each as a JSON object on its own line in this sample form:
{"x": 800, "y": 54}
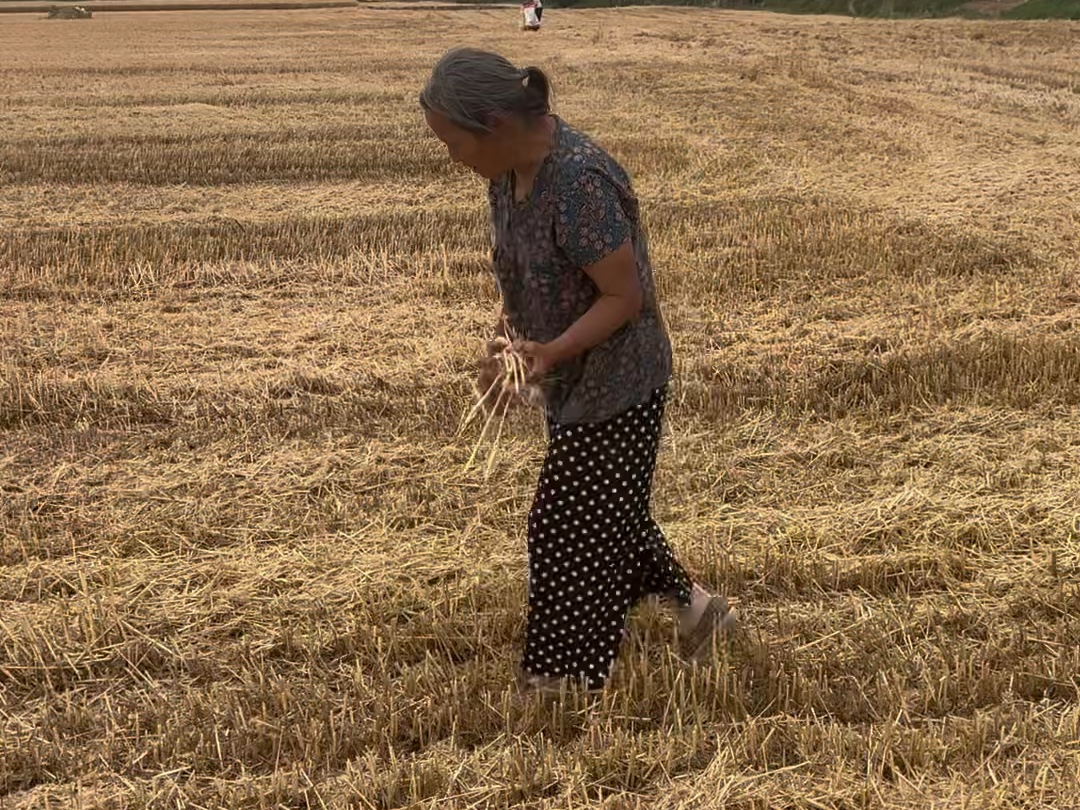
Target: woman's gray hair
{"x": 471, "y": 88}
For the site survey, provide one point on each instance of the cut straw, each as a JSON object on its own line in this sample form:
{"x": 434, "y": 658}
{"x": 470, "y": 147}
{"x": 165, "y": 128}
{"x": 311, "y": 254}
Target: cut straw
{"x": 509, "y": 384}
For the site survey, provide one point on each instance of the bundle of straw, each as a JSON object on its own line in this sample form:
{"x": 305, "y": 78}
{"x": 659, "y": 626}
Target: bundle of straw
{"x": 503, "y": 384}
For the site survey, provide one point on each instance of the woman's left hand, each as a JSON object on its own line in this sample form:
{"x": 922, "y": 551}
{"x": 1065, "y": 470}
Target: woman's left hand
{"x": 539, "y": 358}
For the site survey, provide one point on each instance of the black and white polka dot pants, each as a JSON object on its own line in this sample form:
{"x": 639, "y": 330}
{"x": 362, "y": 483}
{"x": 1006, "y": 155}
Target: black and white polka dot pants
{"x": 594, "y": 550}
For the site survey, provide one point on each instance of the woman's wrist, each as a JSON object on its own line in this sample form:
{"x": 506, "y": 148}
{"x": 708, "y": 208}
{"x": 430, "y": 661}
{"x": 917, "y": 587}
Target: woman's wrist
{"x": 559, "y": 350}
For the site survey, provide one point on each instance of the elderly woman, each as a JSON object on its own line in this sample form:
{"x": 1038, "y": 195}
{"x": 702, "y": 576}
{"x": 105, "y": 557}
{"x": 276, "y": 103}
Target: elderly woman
{"x": 573, "y": 271}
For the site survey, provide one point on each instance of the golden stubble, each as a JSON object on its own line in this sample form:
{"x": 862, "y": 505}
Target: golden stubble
{"x": 243, "y": 294}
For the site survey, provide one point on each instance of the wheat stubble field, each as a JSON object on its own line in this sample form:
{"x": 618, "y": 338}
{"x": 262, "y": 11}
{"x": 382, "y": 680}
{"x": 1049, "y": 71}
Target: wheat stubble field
{"x": 242, "y": 295}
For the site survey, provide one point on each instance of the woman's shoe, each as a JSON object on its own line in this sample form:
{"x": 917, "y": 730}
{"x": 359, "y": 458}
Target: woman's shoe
{"x": 716, "y": 619}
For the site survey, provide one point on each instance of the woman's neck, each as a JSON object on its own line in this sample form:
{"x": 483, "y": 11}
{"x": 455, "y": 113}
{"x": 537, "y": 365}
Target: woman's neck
{"x": 536, "y": 146}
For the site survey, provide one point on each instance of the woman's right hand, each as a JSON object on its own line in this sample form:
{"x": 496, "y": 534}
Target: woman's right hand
{"x": 490, "y": 367}
{"x": 496, "y": 345}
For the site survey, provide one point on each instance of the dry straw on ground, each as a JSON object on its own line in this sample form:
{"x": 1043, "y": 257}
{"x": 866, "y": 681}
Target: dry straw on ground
{"x": 240, "y": 300}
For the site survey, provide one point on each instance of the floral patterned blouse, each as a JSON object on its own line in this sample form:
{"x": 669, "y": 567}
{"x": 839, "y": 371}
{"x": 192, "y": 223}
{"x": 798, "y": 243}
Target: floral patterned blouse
{"x": 581, "y": 207}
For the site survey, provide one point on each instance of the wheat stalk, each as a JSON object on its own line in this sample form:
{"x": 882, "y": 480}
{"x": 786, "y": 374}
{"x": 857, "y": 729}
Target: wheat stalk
{"x": 510, "y": 384}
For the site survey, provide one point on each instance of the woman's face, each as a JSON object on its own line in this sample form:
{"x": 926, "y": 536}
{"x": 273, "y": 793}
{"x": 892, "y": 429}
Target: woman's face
{"x": 480, "y": 152}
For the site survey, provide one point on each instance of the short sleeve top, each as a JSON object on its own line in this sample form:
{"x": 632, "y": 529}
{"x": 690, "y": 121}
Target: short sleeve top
{"x": 580, "y": 209}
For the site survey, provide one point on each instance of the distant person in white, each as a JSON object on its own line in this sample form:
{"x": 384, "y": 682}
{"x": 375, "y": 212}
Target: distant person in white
{"x": 531, "y": 12}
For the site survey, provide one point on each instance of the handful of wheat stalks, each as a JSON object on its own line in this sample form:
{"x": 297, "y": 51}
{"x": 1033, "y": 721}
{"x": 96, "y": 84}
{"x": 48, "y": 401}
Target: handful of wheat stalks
{"x": 503, "y": 385}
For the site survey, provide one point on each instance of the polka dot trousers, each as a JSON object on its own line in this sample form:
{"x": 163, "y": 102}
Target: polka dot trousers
{"x": 594, "y": 550}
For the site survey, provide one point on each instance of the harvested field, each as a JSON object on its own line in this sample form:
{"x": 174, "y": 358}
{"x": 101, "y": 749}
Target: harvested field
{"x": 20, "y": 7}
{"x": 242, "y": 295}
